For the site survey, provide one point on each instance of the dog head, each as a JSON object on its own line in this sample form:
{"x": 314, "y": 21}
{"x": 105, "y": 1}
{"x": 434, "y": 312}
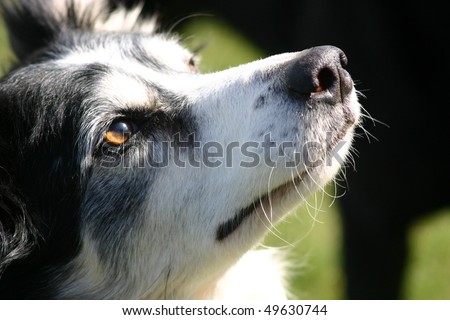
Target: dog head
{"x": 125, "y": 173}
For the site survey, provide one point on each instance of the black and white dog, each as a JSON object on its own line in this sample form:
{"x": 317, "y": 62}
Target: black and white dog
{"x": 126, "y": 174}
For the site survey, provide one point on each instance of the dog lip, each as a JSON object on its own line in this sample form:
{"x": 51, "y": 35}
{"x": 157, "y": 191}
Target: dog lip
{"x": 229, "y": 226}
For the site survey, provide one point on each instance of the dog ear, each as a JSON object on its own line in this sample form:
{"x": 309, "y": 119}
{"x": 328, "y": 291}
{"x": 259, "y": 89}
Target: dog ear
{"x": 30, "y": 25}
{"x": 33, "y": 24}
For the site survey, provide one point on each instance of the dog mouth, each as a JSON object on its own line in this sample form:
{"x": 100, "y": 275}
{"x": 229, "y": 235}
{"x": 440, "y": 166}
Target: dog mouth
{"x": 263, "y": 203}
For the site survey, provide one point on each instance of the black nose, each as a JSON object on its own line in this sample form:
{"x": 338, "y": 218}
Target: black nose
{"x": 319, "y": 73}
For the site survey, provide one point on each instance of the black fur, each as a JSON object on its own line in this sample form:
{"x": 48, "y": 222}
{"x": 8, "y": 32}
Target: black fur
{"x": 45, "y": 168}
{"x": 42, "y": 178}
{"x": 32, "y": 26}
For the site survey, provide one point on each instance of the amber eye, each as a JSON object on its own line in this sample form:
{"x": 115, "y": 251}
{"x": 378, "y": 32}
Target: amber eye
{"x": 119, "y": 132}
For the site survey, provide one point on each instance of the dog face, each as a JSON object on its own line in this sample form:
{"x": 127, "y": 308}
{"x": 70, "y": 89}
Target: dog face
{"x": 137, "y": 177}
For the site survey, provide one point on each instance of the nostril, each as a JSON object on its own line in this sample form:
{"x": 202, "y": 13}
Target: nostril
{"x": 318, "y": 70}
{"x": 326, "y": 79}
{"x": 343, "y": 59}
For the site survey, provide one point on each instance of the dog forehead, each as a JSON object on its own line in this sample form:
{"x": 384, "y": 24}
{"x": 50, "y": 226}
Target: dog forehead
{"x": 167, "y": 50}
{"x": 125, "y": 89}
{"x": 129, "y": 51}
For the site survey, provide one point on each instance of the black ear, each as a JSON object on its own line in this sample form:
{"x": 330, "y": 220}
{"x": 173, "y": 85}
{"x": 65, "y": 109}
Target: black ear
{"x": 31, "y": 25}
{"x": 34, "y": 24}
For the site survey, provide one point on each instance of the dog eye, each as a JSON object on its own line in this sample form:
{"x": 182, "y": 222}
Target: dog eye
{"x": 120, "y": 132}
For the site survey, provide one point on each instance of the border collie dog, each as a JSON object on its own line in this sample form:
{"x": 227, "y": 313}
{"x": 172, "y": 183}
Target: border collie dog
{"x": 127, "y": 174}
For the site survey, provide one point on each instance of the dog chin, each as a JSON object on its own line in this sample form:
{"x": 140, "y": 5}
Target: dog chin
{"x": 278, "y": 202}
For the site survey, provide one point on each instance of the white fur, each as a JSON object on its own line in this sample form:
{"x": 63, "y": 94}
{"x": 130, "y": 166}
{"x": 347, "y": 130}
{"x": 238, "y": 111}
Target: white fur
{"x": 96, "y": 11}
{"x": 258, "y": 275}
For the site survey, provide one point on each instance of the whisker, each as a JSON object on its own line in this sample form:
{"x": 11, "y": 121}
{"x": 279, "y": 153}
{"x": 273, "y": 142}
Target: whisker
{"x": 305, "y": 200}
{"x": 271, "y": 230}
{"x": 166, "y": 284}
{"x": 320, "y": 187}
{"x": 194, "y": 15}
{"x": 272, "y": 227}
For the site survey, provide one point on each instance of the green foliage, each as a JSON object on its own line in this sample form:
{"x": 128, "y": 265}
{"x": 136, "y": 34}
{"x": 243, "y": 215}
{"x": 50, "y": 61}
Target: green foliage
{"x": 223, "y": 47}
{"x": 6, "y": 55}
{"x": 428, "y": 274}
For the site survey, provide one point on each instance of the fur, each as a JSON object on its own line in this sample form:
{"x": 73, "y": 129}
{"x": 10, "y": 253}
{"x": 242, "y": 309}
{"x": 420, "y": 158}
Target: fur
{"x": 82, "y": 217}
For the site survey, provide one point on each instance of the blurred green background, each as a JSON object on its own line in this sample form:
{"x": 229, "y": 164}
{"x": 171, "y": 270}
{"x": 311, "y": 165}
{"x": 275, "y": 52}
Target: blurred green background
{"x": 312, "y": 236}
